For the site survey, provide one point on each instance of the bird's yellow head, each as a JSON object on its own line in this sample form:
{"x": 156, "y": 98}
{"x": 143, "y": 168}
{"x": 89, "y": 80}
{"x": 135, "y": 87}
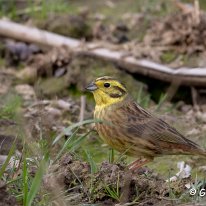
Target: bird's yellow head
{"x": 107, "y": 91}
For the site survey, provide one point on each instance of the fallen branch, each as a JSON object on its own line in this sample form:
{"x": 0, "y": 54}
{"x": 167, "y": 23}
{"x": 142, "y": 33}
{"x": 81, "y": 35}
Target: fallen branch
{"x": 187, "y": 76}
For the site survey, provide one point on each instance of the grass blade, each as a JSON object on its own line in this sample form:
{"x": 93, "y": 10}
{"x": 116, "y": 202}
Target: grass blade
{"x": 75, "y": 144}
{"x": 111, "y": 192}
{"x": 111, "y": 155}
{"x": 163, "y": 98}
{"x": 72, "y": 143}
{"x": 139, "y": 96}
{"x": 25, "y": 183}
{"x": 65, "y": 145}
{"x": 68, "y": 130}
{"x": 91, "y": 161}
{"x": 36, "y": 183}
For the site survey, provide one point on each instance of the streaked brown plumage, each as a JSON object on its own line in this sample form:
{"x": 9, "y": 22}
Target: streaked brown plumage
{"x": 130, "y": 129}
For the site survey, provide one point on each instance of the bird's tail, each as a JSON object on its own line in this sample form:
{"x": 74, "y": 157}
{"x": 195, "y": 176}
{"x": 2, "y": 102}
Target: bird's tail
{"x": 195, "y": 149}
{"x": 199, "y": 151}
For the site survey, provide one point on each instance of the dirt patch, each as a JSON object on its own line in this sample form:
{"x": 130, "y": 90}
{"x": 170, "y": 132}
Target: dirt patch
{"x": 114, "y": 184}
{"x": 5, "y": 197}
{"x": 6, "y": 79}
{"x": 48, "y": 117}
{"x": 77, "y": 25}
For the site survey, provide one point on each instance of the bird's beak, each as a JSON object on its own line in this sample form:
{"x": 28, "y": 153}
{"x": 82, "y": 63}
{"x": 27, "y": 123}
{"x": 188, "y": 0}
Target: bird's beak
{"x": 91, "y": 87}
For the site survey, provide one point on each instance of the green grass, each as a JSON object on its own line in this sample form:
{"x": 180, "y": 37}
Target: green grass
{"x": 142, "y": 99}
{"x": 113, "y": 192}
{"x": 55, "y": 7}
{"x": 35, "y": 9}
{"x": 36, "y": 182}
{"x": 28, "y": 188}
{"x": 42, "y": 9}
{"x": 7, "y": 8}
{"x": 168, "y": 57}
{"x": 92, "y": 163}
{"x": 10, "y": 105}
{"x": 163, "y": 98}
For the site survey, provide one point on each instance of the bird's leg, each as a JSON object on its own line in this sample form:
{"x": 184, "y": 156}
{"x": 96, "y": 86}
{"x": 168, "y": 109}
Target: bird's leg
{"x": 132, "y": 164}
{"x": 138, "y": 163}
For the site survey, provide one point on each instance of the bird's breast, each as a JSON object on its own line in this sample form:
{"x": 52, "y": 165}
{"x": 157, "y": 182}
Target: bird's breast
{"x": 107, "y": 130}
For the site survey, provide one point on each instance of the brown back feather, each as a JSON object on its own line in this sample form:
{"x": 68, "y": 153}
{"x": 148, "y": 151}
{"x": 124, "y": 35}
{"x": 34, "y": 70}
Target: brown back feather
{"x": 138, "y": 123}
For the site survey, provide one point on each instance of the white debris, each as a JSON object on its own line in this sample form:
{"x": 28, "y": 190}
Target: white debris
{"x": 63, "y": 105}
{"x": 202, "y": 168}
{"x": 188, "y": 185}
{"x": 201, "y": 116}
{"x": 53, "y": 111}
{"x": 193, "y": 131}
{"x": 26, "y": 91}
{"x": 13, "y": 162}
{"x": 184, "y": 172}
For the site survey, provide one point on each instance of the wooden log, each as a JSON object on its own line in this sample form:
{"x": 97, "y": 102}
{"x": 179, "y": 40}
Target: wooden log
{"x": 187, "y": 76}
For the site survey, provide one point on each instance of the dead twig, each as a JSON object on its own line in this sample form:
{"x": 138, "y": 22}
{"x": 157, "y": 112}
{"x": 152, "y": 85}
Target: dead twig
{"x": 196, "y": 13}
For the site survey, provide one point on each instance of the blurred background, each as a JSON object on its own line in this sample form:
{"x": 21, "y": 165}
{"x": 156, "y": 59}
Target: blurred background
{"x": 49, "y": 151}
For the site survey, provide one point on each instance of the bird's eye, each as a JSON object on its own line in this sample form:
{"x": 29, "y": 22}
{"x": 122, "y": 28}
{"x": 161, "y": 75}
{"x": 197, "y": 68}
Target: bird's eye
{"x": 106, "y": 85}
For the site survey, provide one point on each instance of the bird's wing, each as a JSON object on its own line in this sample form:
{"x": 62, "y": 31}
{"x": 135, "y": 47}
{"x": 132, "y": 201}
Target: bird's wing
{"x": 141, "y": 124}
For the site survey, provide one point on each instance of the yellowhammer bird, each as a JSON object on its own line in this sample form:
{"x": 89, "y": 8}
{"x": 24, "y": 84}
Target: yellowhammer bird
{"x": 130, "y": 129}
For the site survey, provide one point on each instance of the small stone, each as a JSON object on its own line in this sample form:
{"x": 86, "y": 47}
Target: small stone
{"x": 53, "y": 111}
{"x": 60, "y": 72}
{"x": 186, "y": 108}
{"x": 204, "y": 127}
{"x": 203, "y": 108}
{"x": 201, "y": 116}
{"x": 26, "y": 91}
{"x": 202, "y": 168}
{"x": 193, "y": 131}
{"x": 62, "y": 104}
